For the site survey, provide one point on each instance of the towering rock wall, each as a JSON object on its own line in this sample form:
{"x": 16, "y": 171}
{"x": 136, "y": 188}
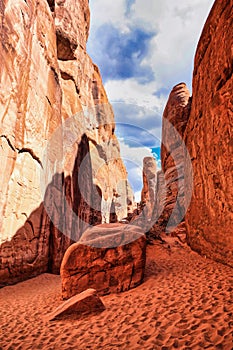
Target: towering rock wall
{"x": 205, "y": 123}
{"x": 58, "y": 174}
{"x": 209, "y": 138}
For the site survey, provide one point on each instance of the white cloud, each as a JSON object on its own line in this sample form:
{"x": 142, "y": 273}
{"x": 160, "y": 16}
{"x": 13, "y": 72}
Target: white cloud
{"x": 134, "y": 154}
{"x": 138, "y": 126}
{"x": 148, "y": 13}
{"x": 131, "y": 91}
{"x": 137, "y": 196}
{"x": 172, "y": 49}
{"x": 105, "y": 11}
{"x": 177, "y": 26}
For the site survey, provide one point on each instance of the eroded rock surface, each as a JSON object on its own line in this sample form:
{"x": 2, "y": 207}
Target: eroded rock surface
{"x": 46, "y": 78}
{"x": 208, "y": 136}
{"x": 175, "y": 119}
{"x": 110, "y": 258}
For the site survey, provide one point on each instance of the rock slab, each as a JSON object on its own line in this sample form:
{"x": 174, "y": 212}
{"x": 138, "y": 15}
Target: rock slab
{"x": 82, "y": 304}
{"x": 109, "y": 258}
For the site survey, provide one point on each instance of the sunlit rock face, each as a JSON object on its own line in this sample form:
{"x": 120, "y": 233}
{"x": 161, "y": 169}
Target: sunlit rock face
{"x": 208, "y": 137}
{"x": 56, "y": 123}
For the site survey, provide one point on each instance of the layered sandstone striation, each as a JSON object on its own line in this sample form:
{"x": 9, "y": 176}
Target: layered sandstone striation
{"x": 58, "y": 174}
{"x": 109, "y": 258}
{"x": 209, "y": 139}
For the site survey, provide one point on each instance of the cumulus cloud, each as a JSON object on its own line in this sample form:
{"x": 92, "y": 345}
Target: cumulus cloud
{"x": 135, "y": 157}
{"x": 105, "y": 11}
{"x": 166, "y": 56}
{"x": 144, "y": 48}
{"x": 178, "y": 26}
{"x": 133, "y": 92}
{"x": 138, "y": 125}
{"x": 121, "y": 54}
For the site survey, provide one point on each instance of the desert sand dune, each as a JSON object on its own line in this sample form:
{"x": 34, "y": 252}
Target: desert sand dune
{"x": 186, "y": 302}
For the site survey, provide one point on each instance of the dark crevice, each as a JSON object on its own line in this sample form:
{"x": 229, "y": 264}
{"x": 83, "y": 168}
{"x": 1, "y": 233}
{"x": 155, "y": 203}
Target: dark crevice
{"x": 32, "y": 154}
{"x": 9, "y": 142}
{"x": 23, "y": 150}
{"x": 113, "y": 215}
{"x": 65, "y": 48}
{"x": 55, "y": 75}
{"x": 32, "y": 229}
{"x": 86, "y": 199}
{"x": 227, "y": 74}
{"x": 66, "y": 76}
{"x": 51, "y": 5}
{"x": 48, "y": 101}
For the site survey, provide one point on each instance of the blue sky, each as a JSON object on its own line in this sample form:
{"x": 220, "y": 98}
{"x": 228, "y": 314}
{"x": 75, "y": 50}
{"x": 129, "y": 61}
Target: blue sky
{"x": 143, "y": 48}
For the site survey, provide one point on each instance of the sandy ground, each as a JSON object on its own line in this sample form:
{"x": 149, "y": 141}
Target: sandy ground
{"x": 186, "y": 302}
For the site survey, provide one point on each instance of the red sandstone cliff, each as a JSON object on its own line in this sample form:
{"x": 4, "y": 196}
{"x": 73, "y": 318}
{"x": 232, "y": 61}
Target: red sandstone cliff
{"x": 205, "y": 123}
{"x": 47, "y": 77}
{"x": 209, "y": 138}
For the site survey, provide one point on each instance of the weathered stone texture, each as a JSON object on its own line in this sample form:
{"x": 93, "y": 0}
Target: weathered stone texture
{"x": 109, "y": 258}
{"x": 209, "y": 139}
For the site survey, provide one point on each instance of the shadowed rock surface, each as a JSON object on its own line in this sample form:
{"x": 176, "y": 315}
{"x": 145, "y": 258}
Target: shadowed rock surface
{"x": 110, "y": 258}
